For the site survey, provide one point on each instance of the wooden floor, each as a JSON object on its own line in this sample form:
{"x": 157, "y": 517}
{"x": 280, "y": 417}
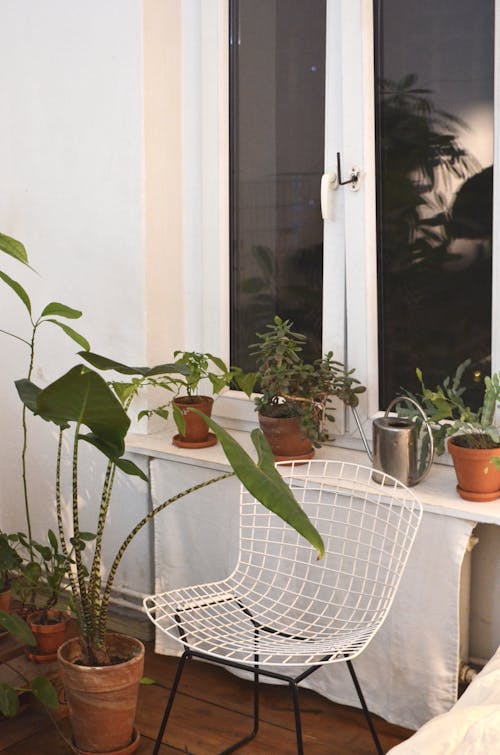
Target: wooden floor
{"x": 212, "y": 710}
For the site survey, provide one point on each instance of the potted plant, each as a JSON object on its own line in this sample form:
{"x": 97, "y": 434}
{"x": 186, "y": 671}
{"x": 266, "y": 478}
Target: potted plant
{"x": 39, "y": 588}
{"x": 101, "y": 671}
{"x": 295, "y": 399}
{"x": 473, "y": 439}
{"x": 41, "y": 687}
{"x": 10, "y": 563}
{"x": 193, "y": 431}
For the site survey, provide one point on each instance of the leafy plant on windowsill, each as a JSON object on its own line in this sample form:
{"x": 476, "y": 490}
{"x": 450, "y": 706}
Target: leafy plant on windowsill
{"x": 10, "y": 561}
{"x": 450, "y": 415}
{"x": 291, "y": 387}
{"x": 80, "y": 399}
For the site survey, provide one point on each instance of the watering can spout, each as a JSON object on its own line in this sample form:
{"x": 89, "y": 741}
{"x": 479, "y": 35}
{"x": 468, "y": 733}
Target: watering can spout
{"x": 395, "y": 445}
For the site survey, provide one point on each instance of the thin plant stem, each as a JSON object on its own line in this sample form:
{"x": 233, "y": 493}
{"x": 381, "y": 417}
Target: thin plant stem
{"x": 62, "y": 537}
{"x": 101, "y": 629}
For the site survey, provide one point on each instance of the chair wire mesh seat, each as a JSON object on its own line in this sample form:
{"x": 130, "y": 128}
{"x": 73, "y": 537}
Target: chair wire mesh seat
{"x": 281, "y": 607}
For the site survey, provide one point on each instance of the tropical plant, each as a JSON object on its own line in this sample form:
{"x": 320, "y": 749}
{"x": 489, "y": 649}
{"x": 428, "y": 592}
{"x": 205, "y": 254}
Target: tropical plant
{"x": 81, "y": 399}
{"x": 291, "y": 387}
{"x": 10, "y": 561}
{"x": 450, "y": 415}
{"x": 41, "y": 687}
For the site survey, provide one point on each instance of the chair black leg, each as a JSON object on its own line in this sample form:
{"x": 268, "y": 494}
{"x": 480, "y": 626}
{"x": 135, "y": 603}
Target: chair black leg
{"x": 365, "y": 708}
{"x": 253, "y": 734}
{"x": 296, "y": 709}
{"x": 170, "y": 702}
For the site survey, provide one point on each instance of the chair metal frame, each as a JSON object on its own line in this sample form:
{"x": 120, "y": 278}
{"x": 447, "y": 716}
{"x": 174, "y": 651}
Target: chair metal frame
{"x": 281, "y": 607}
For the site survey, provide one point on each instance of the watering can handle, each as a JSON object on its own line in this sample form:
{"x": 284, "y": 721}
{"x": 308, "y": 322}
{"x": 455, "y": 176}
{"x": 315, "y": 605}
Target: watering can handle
{"x": 397, "y": 400}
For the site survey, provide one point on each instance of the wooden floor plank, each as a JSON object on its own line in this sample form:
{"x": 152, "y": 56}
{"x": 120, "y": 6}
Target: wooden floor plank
{"x": 212, "y": 710}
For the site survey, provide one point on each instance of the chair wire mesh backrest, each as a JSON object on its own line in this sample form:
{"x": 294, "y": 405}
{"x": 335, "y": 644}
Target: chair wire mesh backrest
{"x": 368, "y": 530}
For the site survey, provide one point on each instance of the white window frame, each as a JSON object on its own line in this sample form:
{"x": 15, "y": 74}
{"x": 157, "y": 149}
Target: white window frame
{"x": 350, "y": 265}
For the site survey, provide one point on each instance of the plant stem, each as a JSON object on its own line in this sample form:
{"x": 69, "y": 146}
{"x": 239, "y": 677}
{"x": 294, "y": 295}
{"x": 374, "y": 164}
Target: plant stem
{"x": 80, "y": 569}
{"x": 24, "y": 469}
{"x": 62, "y": 538}
{"x": 94, "y": 581}
{"x": 101, "y": 629}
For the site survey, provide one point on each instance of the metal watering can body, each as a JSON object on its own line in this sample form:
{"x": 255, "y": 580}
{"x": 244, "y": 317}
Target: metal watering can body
{"x": 395, "y": 446}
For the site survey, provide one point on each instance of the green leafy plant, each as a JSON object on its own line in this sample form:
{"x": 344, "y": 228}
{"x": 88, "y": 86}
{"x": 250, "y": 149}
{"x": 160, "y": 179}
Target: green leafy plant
{"x": 10, "y": 561}
{"x": 41, "y": 687}
{"x": 449, "y": 414}
{"x": 291, "y": 387}
{"x": 82, "y": 404}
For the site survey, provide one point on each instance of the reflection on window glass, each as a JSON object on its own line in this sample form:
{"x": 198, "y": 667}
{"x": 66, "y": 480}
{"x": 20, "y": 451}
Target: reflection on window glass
{"x": 277, "y": 151}
{"x": 434, "y": 97}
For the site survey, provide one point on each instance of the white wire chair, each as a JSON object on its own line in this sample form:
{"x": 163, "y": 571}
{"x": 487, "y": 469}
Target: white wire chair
{"x": 281, "y": 607}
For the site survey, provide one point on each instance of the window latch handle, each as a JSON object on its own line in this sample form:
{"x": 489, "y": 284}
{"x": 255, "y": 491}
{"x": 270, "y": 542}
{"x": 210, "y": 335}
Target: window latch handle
{"x": 354, "y": 176}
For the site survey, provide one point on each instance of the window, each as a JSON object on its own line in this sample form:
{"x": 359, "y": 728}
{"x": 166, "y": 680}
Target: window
{"x": 353, "y": 308}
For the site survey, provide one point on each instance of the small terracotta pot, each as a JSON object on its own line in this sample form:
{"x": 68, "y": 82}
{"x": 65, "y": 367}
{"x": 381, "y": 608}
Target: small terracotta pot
{"x": 196, "y": 434}
{"x": 478, "y": 479}
{"x": 49, "y": 637}
{"x": 5, "y": 597}
{"x": 285, "y": 436}
{"x": 102, "y": 700}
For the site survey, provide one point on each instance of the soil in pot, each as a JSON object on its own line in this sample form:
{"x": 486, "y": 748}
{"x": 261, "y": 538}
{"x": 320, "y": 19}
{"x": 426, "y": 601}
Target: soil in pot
{"x": 196, "y": 433}
{"x": 49, "y": 628}
{"x": 478, "y": 479}
{"x": 102, "y": 700}
{"x": 285, "y": 436}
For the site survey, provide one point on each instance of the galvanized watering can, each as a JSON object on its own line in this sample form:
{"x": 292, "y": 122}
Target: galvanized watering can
{"x": 395, "y": 445}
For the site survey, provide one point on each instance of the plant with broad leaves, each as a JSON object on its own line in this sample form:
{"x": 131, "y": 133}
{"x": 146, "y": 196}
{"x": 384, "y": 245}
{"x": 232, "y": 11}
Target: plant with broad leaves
{"x": 81, "y": 399}
{"x": 41, "y": 687}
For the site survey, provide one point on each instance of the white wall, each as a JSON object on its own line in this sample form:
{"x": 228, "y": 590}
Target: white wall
{"x": 74, "y": 179}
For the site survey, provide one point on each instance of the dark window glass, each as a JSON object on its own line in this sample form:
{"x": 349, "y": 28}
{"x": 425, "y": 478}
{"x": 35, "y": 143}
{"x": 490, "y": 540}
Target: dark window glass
{"x": 277, "y": 112}
{"x": 434, "y": 104}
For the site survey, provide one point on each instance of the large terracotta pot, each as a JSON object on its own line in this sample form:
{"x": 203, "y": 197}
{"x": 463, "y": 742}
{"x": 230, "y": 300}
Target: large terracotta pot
{"x": 478, "y": 479}
{"x": 196, "y": 434}
{"x": 102, "y": 701}
{"x": 49, "y": 637}
{"x": 286, "y": 438}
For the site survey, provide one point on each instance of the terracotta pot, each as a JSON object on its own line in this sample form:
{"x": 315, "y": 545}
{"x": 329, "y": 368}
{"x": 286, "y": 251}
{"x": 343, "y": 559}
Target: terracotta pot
{"x": 478, "y": 479}
{"x": 49, "y": 637}
{"x": 196, "y": 434}
{"x": 5, "y": 596}
{"x": 102, "y": 700}
{"x": 286, "y": 438}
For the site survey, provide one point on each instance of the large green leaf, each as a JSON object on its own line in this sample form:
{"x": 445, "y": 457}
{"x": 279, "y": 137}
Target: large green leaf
{"x": 82, "y": 395}
{"x": 14, "y": 248}
{"x": 18, "y": 289}
{"x": 28, "y": 393}
{"x": 125, "y": 465}
{"x": 264, "y": 482}
{"x": 44, "y": 691}
{"x": 17, "y": 627}
{"x": 77, "y": 337}
{"x": 61, "y": 310}
{"x": 9, "y": 701}
{"x": 103, "y": 363}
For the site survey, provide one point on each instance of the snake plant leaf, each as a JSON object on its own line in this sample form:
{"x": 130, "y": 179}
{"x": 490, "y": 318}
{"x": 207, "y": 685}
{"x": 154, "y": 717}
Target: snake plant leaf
{"x": 81, "y": 395}
{"x": 44, "y": 691}
{"x": 264, "y": 481}
{"x": 55, "y": 308}
{"x": 80, "y": 340}
{"x": 9, "y": 701}
{"x": 104, "y": 363}
{"x": 13, "y": 248}
{"x": 125, "y": 465}
{"x": 18, "y": 289}
{"x": 17, "y": 627}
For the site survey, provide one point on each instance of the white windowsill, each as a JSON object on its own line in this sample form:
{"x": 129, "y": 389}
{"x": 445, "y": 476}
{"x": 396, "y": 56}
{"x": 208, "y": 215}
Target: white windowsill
{"x": 437, "y": 492}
